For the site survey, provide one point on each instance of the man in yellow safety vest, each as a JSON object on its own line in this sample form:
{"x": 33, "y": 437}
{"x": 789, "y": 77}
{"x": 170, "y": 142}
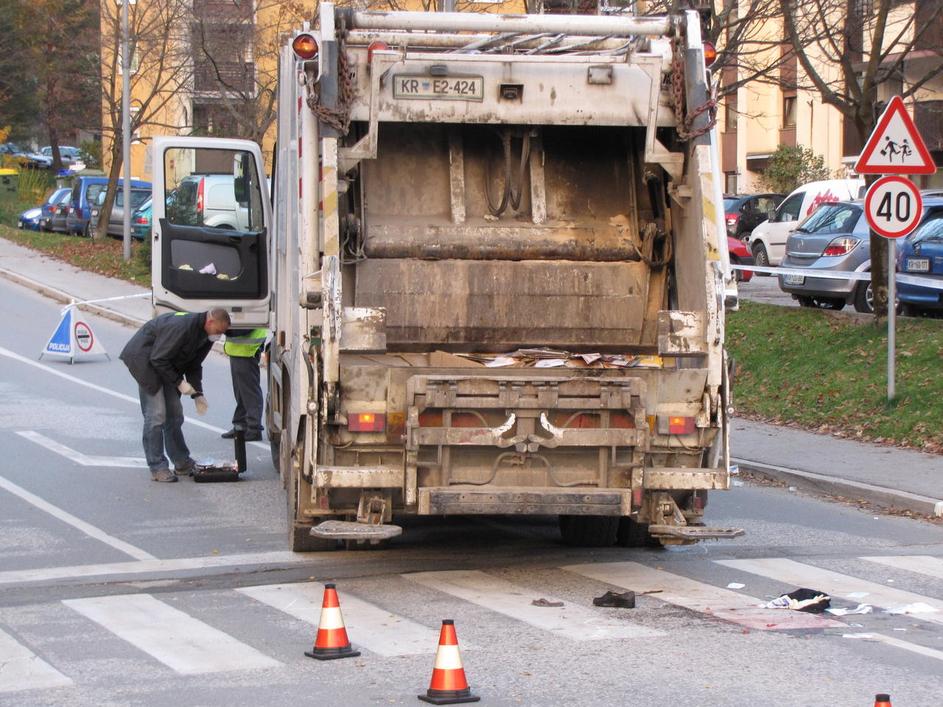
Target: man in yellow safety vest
{"x": 244, "y": 348}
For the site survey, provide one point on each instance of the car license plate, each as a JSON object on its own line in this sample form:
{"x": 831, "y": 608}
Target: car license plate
{"x": 439, "y": 88}
{"x": 793, "y": 279}
{"x": 918, "y": 265}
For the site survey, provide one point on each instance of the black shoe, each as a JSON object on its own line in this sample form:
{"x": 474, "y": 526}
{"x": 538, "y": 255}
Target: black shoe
{"x": 253, "y": 435}
{"x": 229, "y": 435}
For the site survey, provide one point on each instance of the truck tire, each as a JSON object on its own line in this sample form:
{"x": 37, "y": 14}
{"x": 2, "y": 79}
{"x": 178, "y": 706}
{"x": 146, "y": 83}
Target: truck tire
{"x": 589, "y": 531}
{"x": 633, "y": 534}
{"x": 299, "y": 536}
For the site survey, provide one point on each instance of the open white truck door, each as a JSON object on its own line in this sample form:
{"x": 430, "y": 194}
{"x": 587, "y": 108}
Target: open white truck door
{"x": 212, "y": 222}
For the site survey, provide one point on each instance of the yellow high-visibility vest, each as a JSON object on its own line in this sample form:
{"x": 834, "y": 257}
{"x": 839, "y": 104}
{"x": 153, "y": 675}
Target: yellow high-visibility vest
{"x": 245, "y": 346}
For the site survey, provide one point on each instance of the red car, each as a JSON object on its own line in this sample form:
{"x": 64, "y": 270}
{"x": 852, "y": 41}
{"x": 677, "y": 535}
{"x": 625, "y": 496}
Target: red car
{"x": 739, "y": 255}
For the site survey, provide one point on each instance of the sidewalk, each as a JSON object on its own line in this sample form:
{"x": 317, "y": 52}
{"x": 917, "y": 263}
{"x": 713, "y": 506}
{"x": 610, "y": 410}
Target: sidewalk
{"x": 886, "y": 476}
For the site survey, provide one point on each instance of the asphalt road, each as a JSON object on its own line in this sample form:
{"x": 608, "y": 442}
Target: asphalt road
{"x": 115, "y": 590}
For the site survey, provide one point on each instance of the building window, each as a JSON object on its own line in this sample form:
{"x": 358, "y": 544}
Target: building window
{"x": 789, "y": 111}
{"x": 730, "y": 183}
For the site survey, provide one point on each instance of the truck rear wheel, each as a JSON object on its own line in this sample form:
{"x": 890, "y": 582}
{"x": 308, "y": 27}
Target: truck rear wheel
{"x": 589, "y": 531}
{"x": 633, "y": 534}
{"x": 299, "y": 535}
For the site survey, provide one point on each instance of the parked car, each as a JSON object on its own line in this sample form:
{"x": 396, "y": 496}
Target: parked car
{"x": 43, "y": 159}
{"x": 835, "y": 238}
{"x": 744, "y": 212}
{"x": 768, "y": 240}
{"x": 60, "y": 213}
{"x": 739, "y": 255}
{"x": 921, "y": 253}
{"x": 207, "y": 200}
{"x": 116, "y": 222}
{"x": 29, "y": 219}
{"x": 85, "y": 191}
{"x": 141, "y": 222}
{"x": 52, "y": 202}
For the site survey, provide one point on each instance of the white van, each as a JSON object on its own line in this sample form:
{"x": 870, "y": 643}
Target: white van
{"x": 768, "y": 240}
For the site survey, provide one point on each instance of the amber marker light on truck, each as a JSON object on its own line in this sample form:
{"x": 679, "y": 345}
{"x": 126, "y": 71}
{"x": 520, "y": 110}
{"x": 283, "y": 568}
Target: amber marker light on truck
{"x": 710, "y": 54}
{"x": 675, "y": 425}
{"x": 366, "y": 422}
{"x": 305, "y": 46}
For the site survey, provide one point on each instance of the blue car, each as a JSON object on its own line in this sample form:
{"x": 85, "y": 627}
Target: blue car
{"x": 53, "y": 202}
{"x": 85, "y": 191}
{"x": 921, "y": 254}
{"x": 29, "y": 219}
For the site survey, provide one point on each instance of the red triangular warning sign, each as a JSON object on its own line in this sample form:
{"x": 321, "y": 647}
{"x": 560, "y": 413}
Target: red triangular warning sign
{"x": 895, "y": 145}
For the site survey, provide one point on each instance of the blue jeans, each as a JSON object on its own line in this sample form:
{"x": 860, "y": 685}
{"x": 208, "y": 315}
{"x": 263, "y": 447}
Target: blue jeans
{"x": 163, "y": 427}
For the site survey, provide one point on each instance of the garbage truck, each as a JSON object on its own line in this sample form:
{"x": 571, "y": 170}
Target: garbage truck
{"x": 494, "y": 264}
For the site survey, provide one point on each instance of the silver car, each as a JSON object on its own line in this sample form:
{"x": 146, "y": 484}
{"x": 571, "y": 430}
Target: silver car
{"x": 834, "y": 237}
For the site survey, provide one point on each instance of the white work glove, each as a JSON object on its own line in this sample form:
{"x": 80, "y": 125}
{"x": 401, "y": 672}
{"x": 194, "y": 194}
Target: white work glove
{"x": 200, "y": 404}
{"x": 185, "y": 388}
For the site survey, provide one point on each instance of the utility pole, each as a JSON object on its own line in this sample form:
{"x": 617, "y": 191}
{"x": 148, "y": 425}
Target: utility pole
{"x": 126, "y": 127}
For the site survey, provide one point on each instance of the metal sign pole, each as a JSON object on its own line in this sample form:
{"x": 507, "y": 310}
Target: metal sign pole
{"x": 891, "y": 317}
{"x": 126, "y": 129}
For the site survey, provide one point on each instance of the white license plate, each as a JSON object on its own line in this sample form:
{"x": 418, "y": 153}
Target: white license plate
{"x": 793, "y": 279}
{"x": 918, "y": 265}
{"x": 439, "y": 88}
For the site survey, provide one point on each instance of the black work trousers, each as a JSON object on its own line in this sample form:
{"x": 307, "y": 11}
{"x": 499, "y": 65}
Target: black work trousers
{"x": 247, "y": 389}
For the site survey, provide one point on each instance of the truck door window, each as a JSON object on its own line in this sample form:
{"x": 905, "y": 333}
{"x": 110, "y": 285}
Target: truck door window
{"x": 213, "y": 239}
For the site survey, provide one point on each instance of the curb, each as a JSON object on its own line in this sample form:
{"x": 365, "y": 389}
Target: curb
{"x": 878, "y": 495}
{"x": 66, "y": 298}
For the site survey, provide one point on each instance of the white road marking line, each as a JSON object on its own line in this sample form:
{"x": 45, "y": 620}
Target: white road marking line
{"x": 368, "y": 626}
{"x": 21, "y": 669}
{"x": 897, "y": 643}
{"x": 49, "y": 370}
{"x": 698, "y": 596}
{"x": 152, "y": 565}
{"x": 77, "y": 523}
{"x": 179, "y": 641}
{"x": 921, "y": 564}
{"x": 570, "y": 621}
{"x": 79, "y": 458}
{"x": 835, "y": 584}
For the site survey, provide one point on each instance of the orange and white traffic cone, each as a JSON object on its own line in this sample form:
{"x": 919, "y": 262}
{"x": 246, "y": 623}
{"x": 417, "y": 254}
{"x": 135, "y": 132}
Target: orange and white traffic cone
{"x": 448, "y": 686}
{"x": 882, "y": 700}
{"x": 331, "y": 642}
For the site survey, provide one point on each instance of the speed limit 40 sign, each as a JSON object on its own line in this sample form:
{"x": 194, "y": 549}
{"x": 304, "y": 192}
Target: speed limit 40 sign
{"x": 893, "y": 206}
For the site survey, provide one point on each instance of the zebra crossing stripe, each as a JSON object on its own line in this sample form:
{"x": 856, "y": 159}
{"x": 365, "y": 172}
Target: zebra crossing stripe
{"x": 921, "y": 564}
{"x": 570, "y": 621}
{"x": 179, "y": 641}
{"x": 836, "y": 584}
{"x": 898, "y": 643}
{"x": 368, "y": 626}
{"x": 21, "y": 669}
{"x": 704, "y": 598}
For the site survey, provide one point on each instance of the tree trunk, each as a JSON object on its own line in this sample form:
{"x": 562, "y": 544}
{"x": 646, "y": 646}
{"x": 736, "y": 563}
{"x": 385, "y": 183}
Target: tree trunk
{"x": 104, "y": 214}
{"x": 54, "y": 144}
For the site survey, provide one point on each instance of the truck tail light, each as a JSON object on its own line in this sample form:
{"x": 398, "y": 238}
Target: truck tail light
{"x": 841, "y": 246}
{"x": 675, "y": 425}
{"x": 637, "y": 494}
{"x": 305, "y": 46}
{"x": 366, "y": 422}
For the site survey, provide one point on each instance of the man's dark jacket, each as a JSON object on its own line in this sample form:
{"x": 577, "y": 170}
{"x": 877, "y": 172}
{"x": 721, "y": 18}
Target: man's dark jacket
{"x": 167, "y": 349}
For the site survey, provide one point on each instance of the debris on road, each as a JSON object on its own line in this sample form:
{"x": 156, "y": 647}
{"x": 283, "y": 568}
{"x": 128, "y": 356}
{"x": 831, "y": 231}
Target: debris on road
{"x": 807, "y": 600}
{"x": 736, "y": 585}
{"x": 917, "y": 607}
{"x": 546, "y": 602}
{"x": 860, "y": 609}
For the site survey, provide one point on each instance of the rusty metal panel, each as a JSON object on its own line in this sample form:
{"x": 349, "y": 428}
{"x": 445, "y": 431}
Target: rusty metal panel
{"x": 685, "y": 478}
{"x": 358, "y": 477}
{"x": 521, "y": 501}
{"x": 682, "y": 333}
{"x": 495, "y": 305}
{"x": 363, "y": 329}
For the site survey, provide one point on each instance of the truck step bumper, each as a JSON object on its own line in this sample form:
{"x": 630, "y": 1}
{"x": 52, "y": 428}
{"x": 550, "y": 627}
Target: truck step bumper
{"x": 348, "y": 530}
{"x": 461, "y": 500}
{"x": 693, "y": 532}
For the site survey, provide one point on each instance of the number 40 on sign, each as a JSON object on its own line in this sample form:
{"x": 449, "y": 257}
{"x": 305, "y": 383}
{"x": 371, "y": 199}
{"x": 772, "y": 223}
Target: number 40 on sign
{"x": 893, "y": 206}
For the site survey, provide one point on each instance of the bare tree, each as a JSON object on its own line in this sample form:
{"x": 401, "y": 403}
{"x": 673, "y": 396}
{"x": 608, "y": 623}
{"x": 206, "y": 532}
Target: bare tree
{"x": 853, "y": 52}
{"x": 160, "y": 68}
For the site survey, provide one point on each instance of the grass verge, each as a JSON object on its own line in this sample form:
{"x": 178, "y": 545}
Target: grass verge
{"x": 104, "y": 257}
{"x": 827, "y": 372}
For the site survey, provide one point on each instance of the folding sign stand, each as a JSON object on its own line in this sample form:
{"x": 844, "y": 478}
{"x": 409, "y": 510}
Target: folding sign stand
{"x": 73, "y": 339}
